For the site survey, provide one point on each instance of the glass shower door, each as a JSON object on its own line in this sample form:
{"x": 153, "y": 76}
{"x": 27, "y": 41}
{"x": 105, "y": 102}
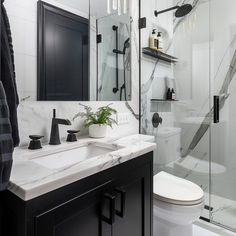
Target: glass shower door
{"x": 188, "y": 118}
{"x": 223, "y": 130}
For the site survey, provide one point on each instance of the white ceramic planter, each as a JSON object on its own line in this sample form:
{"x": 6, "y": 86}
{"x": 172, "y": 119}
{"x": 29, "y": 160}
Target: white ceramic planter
{"x": 97, "y": 131}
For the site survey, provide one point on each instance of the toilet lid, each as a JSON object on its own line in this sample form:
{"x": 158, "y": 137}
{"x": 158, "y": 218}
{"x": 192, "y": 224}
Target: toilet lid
{"x": 175, "y": 190}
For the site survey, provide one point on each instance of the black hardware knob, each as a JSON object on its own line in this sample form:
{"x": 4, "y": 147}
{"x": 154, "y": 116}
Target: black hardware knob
{"x": 35, "y": 142}
{"x": 71, "y": 137}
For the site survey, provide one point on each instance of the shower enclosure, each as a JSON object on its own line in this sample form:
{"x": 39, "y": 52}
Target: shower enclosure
{"x": 203, "y": 77}
{"x": 113, "y": 58}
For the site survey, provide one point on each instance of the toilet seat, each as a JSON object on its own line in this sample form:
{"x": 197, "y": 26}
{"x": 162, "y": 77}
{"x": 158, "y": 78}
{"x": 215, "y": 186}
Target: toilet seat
{"x": 174, "y": 190}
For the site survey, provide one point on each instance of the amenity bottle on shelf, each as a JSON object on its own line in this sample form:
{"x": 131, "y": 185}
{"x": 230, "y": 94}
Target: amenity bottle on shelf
{"x": 173, "y": 95}
{"x": 153, "y": 41}
{"x": 168, "y": 94}
{"x": 160, "y": 42}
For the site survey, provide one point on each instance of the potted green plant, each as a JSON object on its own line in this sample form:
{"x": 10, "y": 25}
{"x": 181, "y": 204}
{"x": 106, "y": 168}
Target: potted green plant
{"x": 98, "y": 121}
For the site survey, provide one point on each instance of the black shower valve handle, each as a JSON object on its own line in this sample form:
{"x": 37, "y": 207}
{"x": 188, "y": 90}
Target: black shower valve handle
{"x": 156, "y": 120}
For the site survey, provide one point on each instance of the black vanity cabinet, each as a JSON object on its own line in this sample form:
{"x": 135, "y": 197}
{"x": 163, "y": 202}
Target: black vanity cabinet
{"x": 79, "y": 216}
{"x": 114, "y": 202}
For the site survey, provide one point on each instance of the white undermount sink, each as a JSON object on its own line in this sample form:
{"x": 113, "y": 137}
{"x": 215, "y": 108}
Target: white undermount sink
{"x": 73, "y": 156}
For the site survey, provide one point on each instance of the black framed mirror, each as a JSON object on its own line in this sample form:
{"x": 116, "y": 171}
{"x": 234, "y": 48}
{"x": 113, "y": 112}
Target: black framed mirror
{"x": 67, "y": 50}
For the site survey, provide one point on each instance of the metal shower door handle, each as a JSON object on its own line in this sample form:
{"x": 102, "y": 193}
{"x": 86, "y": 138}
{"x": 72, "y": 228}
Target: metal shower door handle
{"x": 216, "y": 109}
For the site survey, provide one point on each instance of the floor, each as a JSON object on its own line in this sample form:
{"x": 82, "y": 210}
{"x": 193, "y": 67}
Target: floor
{"x": 202, "y": 228}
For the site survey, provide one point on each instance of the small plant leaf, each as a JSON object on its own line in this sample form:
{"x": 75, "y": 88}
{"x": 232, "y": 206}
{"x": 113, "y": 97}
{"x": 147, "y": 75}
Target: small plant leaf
{"x": 102, "y": 116}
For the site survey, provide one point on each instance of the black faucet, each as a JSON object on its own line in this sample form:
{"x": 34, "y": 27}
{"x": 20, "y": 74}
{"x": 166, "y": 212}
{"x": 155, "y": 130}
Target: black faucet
{"x": 55, "y": 137}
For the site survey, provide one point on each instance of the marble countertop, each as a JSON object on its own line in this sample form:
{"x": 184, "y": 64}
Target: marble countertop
{"x": 29, "y": 179}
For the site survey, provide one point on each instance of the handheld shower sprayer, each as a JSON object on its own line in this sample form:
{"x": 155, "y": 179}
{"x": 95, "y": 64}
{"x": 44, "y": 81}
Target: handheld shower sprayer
{"x": 126, "y": 45}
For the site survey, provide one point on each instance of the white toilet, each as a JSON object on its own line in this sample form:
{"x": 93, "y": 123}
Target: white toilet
{"x": 168, "y": 147}
{"x": 177, "y": 202}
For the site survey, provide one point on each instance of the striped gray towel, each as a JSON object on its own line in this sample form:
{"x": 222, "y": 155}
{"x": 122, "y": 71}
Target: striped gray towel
{"x": 6, "y": 141}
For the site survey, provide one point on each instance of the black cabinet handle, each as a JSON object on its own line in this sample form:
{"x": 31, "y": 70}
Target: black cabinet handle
{"x": 216, "y": 109}
{"x": 122, "y": 194}
{"x": 111, "y": 198}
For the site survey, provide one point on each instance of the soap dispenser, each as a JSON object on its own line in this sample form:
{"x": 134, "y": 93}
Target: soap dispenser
{"x": 153, "y": 40}
{"x": 160, "y": 42}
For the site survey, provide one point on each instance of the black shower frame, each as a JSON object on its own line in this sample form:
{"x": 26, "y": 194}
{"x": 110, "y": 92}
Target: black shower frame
{"x": 140, "y": 69}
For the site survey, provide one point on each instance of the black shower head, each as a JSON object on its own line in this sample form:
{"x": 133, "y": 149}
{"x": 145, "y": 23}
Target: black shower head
{"x": 183, "y": 10}
{"x": 180, "y": 12}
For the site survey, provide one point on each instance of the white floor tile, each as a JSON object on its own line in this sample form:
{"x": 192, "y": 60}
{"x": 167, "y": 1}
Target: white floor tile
{"x": 202, "y": 228}
{"x": 198, "y": 231}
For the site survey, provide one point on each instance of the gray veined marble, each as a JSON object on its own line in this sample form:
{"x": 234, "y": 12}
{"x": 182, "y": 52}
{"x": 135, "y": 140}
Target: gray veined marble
{"x": 195, "y": 166}
{"x": 208, "y": 118}
{"x": 146, "y": 87}
{"x": 35, "y": 172}
{"x": 131, "y": 110}
{"x": 224, "y": 56}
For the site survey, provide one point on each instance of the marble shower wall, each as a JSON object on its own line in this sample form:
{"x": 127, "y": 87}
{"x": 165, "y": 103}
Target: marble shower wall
{"x": 107, "y": 59}
{"x": 188, "y": 39}
{"x": 153, "y": 72}
{"x": 205, "y": 43}
{"x": 35, "y": 117}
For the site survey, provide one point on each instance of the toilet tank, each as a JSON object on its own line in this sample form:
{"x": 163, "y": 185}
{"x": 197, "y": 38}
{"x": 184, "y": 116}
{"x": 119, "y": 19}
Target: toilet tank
{"x": 168, "y": 145}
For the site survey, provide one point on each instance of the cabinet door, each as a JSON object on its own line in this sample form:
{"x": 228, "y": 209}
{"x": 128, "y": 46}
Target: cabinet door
{"x": 80, "y": 216}
{"x": 136, "y": 218}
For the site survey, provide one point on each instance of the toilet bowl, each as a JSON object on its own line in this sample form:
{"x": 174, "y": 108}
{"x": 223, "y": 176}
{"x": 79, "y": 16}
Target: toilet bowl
{"x": 177, "y": 204}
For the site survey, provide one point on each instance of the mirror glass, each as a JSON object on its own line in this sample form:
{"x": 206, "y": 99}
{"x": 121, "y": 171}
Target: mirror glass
{"x": 71, "y": 50}
{"x": 111, "y": 24}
